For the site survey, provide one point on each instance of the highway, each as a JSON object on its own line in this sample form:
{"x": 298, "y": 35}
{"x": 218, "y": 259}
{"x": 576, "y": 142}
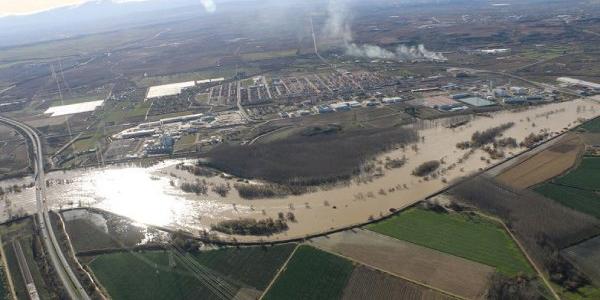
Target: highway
{"x": 70, "y": 281}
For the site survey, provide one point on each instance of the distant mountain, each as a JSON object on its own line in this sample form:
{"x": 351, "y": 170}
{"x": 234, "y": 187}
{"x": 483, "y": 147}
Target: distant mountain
{"x": 92, "y": 17}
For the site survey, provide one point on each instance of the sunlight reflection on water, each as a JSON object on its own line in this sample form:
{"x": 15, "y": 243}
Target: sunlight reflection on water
{"x": 142, "y": 194}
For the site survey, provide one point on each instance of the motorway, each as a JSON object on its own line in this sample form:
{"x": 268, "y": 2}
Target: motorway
{"x": 66, "y": 275}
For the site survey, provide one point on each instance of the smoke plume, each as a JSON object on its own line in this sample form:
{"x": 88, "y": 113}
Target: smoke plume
{"x": 209, "y": 5}
{"x": 337, "y": 28}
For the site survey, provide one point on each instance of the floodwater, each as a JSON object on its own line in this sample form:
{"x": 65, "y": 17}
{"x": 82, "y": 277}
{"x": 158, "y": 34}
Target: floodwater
{"x": 151, "y": 195}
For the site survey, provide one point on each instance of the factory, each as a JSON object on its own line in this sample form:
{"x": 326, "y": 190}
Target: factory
{"x": 577, "y": 82}
{"x": 164, "y": 145}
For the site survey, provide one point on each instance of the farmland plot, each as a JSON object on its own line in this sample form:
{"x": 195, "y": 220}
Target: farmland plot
{"x": 592, "y": 126}
{"x": 470, "y": 237}
{"x": 544, "y": 165}
{"x": 529, "y": 214}
{"x": 446, "y": 272}
{"x": 586, "y": 176}
{"x": 161, "y": 275}
{"x": 587, "y": 257}
{"x": 581, "y": 200}
{"x": 578, "y": 189}
{"x": 312, "y": 274}
{"x": 366, "y": 283}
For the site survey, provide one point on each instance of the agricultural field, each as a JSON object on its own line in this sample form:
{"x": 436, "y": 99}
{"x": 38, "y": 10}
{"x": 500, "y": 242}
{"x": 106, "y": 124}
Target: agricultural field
{"x": 162, "y": 275}
{"x": 577, "y": 189}
{"x": 581, "y": 200}
{"x": 586, "y": 176}
{"x": 312, "y": 274}
{"x": 586, "y": 256}
{"x": 544, "y": 227}
{"x": 423, "y": 265}
{"x": 592, "y": 126}
{"x": 127, "y": 112}
{"x": 544, "y": 165}
{"x": 468, "y": 236}
{"x": 366, "y": 283}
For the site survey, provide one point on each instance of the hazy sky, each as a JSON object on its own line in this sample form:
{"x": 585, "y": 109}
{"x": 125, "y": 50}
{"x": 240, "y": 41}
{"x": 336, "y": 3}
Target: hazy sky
{"x": 23, "y": 7}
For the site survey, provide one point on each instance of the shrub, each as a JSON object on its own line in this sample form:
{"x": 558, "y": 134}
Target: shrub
{"x": 531, "y": 140}
{"x": 426, "y": 168}
{"x": 251, "y": 226}
{"x": 480, "y": 138}
{"x": 199, "y": 187}
{"x": 395, "y": 163}
{"x": 262, "y": 191}
{"x": 221, "y": 189}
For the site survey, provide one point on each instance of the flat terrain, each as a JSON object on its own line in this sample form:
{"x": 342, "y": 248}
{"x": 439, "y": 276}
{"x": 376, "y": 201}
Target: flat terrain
{"x": 592, "y": 126}
{"x": 585, "y": 201}
{"x": 586, "y": 176}
{"x": 578, "y": 189}
{"x": 159, "y": 275}
{"x": 586, "y": 256}
{"x": 543, "y": 226}
{"x": 446, "y": 272}
{"x": 366, "y": 283}
{"x": 315, "y": 155}
{"x": 312, "y": 274}
{"x": 545, "y": 165}
{"x": 470, "y": 237}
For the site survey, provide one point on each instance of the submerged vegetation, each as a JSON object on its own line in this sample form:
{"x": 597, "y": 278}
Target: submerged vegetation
{"x": 426, "y": 168}
{"x": 313, "y": 157}
{"x": 251, "y": 226}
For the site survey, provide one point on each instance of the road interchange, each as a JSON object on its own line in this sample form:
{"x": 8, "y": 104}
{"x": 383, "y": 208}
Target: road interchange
{"x": 66, "y": 275}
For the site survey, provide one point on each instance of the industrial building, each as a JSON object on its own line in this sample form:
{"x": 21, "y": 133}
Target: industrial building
{"x": 476, "y": 101}
{"x": 164, "y": 145}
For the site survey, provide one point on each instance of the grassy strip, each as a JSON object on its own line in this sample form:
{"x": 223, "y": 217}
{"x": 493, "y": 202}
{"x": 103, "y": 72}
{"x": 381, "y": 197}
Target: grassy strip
{"x": 312, "y": 274}
{"x": 470, "y": 237}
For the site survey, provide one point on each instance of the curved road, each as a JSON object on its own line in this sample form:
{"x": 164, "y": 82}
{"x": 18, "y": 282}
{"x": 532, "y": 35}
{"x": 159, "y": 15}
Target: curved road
{"x": 57, "y": 258}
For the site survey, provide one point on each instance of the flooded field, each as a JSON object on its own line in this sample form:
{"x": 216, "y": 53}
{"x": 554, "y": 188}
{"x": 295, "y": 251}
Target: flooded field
{"x": 153, "y": 196}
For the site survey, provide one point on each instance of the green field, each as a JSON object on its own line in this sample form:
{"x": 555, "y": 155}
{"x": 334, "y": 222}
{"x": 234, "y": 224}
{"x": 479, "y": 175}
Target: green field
{"x": 585, "y": 176}
{"x": 470, "y": 237}
{"x": 312, "y": 274}
{"x": 582, "y": 200}
{"x": 587, "y": 292}
{"x": 123, "y": 112}
{"x": 148, "y": 275}
{"x": 592, "y": 126}
{"x": 579, "y": 189}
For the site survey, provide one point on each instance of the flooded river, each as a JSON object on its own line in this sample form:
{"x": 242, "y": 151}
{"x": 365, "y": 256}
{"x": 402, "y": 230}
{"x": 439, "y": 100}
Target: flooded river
{"x": 151, "y": 195}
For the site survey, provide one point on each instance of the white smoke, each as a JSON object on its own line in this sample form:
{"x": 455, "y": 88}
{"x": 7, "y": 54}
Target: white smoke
{"x": 337, "y": 27}
{"x": 209, "y": 5}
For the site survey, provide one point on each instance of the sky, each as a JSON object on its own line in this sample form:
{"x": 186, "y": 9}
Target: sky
{"x": 26, "y": 7}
